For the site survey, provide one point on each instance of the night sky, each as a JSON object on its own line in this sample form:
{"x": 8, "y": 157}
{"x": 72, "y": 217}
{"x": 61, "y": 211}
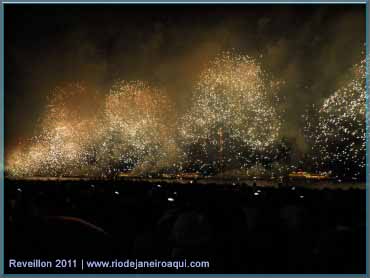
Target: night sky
{"x": 311, "y": 47}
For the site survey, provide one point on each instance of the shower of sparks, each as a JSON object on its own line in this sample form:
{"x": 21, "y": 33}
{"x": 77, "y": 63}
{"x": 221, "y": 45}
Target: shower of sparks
{"x": 137, "y": 127}
{"x": 338, "y": 137}
{"x": 233, "y": 126}
{"x": 79, "y": 137}
{"x": 65, "y": 133}
{"x": 234, "y": 107}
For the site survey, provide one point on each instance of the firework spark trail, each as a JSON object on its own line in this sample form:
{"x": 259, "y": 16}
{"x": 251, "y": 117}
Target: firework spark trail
{"x": 235, "y": 96}
{"x": 339, "y": 136}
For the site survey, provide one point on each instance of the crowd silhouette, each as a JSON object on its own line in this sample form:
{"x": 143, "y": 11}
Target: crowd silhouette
{"x": 238, "y": 229}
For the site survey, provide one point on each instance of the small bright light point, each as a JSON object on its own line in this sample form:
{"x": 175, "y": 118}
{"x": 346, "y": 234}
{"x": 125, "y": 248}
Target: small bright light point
{"x": 171, "y": 199}
{"x": 116, "y": 192}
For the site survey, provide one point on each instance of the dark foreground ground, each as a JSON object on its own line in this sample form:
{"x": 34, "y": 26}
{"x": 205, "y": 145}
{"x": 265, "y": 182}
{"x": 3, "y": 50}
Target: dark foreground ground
{"x": 237, "y": 229}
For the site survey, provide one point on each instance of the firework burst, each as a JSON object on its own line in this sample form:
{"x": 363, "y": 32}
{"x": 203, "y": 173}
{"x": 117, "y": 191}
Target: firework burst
{"x": 65, "y": 131}
{"x": 338, "y": 137}
{"x": 137, "y": 126}
{"x": 233, "y": 119}
{"x": 82, "y": 134}
{"x": 234, "y": 101}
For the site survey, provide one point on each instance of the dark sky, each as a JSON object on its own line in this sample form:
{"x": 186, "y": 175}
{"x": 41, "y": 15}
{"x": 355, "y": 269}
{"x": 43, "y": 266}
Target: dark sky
{"x": 311, "y": 47}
